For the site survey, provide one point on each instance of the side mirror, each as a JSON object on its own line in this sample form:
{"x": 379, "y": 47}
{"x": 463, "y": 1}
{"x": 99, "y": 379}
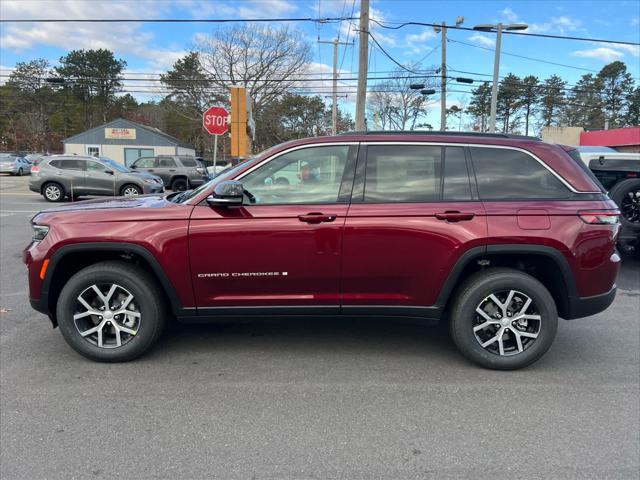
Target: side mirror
{"x": 227, "y": 194}
{"x": 110, "y": 172}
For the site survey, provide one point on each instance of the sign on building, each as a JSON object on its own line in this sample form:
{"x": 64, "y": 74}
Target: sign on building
{"x": 120, "y": 133}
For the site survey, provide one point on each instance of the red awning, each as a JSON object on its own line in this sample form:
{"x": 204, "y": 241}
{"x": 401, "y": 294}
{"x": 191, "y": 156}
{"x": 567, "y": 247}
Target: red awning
{"x": 617, "y": 137}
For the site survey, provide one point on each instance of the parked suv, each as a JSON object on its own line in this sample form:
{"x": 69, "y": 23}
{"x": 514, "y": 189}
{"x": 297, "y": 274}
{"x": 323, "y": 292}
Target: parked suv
{"x": 61, "y": 176}
{"x": 500, "y": 235}
{"x": 178, "y": 173}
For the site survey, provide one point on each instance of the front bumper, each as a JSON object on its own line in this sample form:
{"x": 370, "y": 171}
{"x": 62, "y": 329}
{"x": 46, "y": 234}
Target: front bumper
{"x": 156, "y": 188}
{"x": 580, "y": 307}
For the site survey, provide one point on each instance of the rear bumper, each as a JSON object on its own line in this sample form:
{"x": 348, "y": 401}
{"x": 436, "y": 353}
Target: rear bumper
{"x": 580, "y": 307}
{"x": 153, "y": 188}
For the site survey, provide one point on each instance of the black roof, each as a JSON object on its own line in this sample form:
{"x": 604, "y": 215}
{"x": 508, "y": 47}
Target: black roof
{"x": 437, "y": 133}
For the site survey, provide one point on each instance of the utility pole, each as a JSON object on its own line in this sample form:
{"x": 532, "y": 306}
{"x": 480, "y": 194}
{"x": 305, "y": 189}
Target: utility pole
{"x": 363, "y": 57}
{"x": 494, "y": 87}
{"x": 334, "y": 112}
{"x": 442, "y": 28}
{"x": 496, "y": 63}
{"x": 443, "y": 81}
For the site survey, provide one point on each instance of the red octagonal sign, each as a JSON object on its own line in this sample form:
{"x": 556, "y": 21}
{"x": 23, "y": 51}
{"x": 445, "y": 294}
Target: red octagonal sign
{"x": 216, "y": 120}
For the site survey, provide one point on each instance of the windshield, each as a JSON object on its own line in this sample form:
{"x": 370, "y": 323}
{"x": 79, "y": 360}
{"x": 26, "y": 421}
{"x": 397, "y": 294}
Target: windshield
{"x": 115, "y": 165}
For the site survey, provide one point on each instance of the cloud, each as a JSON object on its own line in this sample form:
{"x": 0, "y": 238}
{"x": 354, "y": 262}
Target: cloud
{"x": 483, "y": 40}
{"x": 230, "y": 9}
{"x": 425, "y": 35}
{"x": 558, "y": 25}
{"x": 122, "y": 38}
{"x": 601, "y": 53}
{"x": 633, "y": 50}
{"x": 509, "y": 15}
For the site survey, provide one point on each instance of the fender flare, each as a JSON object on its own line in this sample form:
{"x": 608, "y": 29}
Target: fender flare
{"x": 117, "y": 247}
{"x": 480, "y": 252}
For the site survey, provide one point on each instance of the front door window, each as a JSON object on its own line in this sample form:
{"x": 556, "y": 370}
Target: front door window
{"x": 305, "y": 176}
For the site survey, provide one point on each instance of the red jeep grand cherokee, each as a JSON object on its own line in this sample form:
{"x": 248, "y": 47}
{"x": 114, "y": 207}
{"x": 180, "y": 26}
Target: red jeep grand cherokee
{"x": 503, "y": 234}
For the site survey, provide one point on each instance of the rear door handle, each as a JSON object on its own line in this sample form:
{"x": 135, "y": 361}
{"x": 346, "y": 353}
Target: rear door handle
{"x": 454, "y": 216}
{"x": 172, "y": 169}
{"x": 317, "y": 217}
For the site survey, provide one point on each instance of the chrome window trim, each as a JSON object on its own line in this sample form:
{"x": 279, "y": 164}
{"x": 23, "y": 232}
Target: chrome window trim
{"x": 505, "y": 147}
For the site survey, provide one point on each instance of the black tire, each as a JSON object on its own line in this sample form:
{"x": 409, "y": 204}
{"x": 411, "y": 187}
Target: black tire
{"x": 148, "y": 299}
{"x": 476, "y": 290}
{"x": 130, "y": 187}
{"x": 49, "y": 189}
{"x": 619, "y": 194}
{"x": 20, "y": 172}
{"x": 179, "y": 185}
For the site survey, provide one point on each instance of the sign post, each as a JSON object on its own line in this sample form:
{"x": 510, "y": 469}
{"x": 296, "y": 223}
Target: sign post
{"x": 215, "y": 120}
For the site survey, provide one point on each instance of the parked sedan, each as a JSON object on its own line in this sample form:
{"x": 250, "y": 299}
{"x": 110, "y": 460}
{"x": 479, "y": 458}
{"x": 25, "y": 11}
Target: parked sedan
{"x": 13, "y": 164}
{"x": 73, "y": 176}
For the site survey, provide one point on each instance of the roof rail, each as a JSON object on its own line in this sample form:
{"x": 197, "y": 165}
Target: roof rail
{"x": 440, "y": 133}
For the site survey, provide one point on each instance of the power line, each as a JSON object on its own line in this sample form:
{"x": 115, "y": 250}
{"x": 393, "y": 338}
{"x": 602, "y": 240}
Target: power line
{"x": 175, "y": 20}
{"x": 525, "y": 57}
{"x": 389, "y": 56}
{"x": 541, "y": 35}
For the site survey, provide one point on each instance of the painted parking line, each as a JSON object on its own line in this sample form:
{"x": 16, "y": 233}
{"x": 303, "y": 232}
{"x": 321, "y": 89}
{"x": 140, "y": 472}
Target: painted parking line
{"x": 8, "y": 194}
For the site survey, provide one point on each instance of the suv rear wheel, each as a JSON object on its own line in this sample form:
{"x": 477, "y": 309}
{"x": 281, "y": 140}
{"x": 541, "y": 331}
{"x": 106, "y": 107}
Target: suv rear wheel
{"x": 503, "y": 319}
{"x": 53, "y": 192}
{"x": 111, "y": 312}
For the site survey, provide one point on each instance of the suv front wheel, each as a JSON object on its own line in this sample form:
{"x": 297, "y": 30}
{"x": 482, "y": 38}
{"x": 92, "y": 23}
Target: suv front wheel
{"x": 503, "y": 319}
{"x": 111, "y": 312}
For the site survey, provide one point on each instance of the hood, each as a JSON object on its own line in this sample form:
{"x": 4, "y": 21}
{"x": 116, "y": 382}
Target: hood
{"x": 141, "y": 201}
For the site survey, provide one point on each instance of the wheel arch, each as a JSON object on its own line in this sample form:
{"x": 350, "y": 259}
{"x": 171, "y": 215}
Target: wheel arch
{"x": 547, "y": 264}
{"x": 70, "y": 259}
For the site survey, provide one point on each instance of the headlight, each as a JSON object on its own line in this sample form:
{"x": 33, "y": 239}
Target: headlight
{"x": 150, "y": 180}
{"x": 39, "y": 232}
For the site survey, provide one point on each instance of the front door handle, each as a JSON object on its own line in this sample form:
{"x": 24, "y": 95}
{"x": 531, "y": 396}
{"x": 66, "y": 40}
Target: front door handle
{"x": 172, "y": 169}
{"x": 454, "y": 216}
{"x": 316, "y": 217}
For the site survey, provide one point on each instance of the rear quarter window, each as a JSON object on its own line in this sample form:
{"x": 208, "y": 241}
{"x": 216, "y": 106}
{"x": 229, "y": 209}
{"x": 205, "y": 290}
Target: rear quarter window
{"x": 188, "y": 162}
{"x": 508, "y": 174}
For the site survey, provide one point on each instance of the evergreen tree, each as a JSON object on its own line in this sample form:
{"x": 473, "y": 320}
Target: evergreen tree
{"x": 552, "y": 100}
{"x": 509, "y": 102}
{"x": 617, "y": 86}
{"x": 529, "y": 97}
{"x": 584, "y": 104}
{"x": 480, "y": 105}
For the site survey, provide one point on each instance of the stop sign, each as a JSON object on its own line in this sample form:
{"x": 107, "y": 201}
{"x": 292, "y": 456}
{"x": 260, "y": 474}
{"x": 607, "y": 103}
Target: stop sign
{"x": 216, "y": 120}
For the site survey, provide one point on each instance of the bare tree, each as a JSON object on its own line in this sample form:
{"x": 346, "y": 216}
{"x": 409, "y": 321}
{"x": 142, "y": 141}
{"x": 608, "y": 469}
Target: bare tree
{"x": 398, "y": 106}
{"x": 265, "y": 60}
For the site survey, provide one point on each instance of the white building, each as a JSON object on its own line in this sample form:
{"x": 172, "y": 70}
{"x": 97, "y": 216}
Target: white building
{"x": 125, "y": 141}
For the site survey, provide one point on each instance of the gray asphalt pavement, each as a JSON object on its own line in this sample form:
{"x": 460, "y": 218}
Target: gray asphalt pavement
{"x": 312, "y": 399}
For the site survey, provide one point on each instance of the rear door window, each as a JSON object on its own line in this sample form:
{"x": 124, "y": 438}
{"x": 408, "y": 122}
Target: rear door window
{"x": 402, "y": 173}
{"x": 145, "y": 162}
{"x": 68, "y": 164}
{"x": 508, "y": 174}
{"x": 166, "y": 162}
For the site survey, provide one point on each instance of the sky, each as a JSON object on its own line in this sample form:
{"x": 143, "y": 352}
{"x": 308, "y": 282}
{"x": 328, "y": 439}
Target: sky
{"x": 151, "y": 48}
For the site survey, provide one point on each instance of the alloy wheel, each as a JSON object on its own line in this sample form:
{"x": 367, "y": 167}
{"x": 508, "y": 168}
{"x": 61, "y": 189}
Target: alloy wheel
{"x": 107, "y": 315}
{"x": 507, "y": 323}
{"x": 130, "y": 192}
{"x": 630, "y": 206}
{"x": 52, "y": 192}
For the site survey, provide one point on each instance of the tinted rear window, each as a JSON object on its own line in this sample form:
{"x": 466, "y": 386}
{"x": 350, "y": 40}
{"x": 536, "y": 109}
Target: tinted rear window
{"x": 188, "y": 161}
{"x": 68, "y": 164}
{"x": 402, "y": 173}
{"x": 507, "y": 174}
{"x": 575, "y": 155}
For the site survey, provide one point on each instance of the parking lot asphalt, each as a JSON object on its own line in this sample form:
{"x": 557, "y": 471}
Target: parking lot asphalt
{"x": 311, "y": 399}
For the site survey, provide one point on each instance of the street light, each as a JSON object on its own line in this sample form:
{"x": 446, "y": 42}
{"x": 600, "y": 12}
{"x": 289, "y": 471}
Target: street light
{"x": 498, "y": 28}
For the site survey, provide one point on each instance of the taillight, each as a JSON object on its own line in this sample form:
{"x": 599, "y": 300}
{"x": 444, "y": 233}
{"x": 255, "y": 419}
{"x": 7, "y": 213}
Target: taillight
{"x": 600, "y": 217}
{"x": 35, "y": 169}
